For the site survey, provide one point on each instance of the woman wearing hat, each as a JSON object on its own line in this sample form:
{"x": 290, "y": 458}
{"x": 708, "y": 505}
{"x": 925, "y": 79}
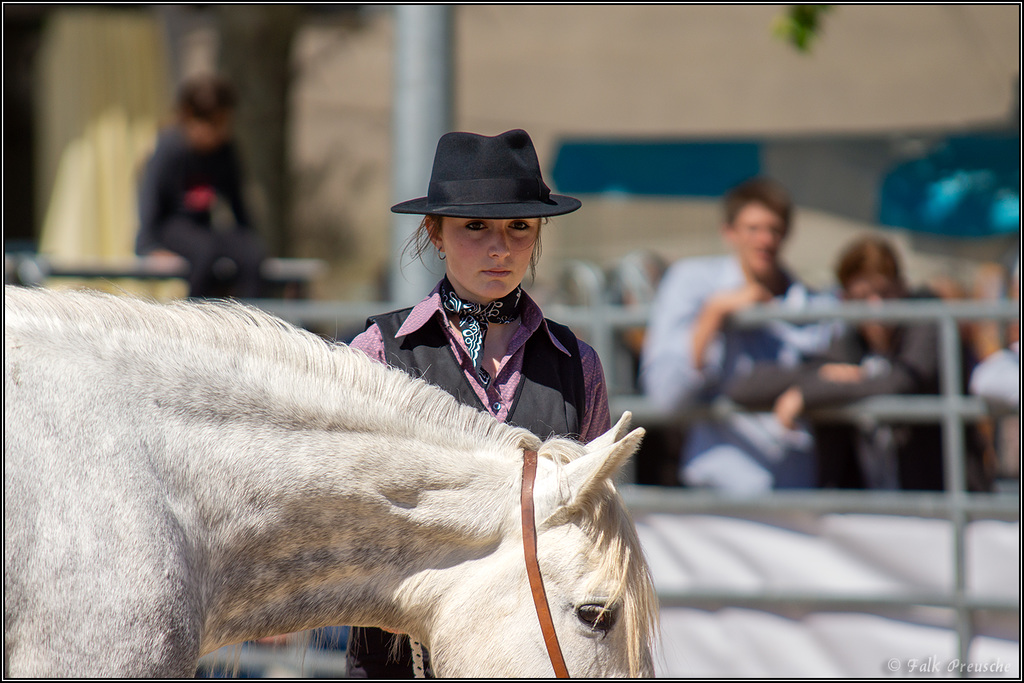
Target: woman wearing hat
{"x": 478, "y": 335}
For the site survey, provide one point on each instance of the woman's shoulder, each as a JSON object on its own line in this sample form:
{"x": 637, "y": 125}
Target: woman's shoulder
{"x": 588, "y": 356}
{"x": 564, "y": 334}
{"x": 370, "y": 341}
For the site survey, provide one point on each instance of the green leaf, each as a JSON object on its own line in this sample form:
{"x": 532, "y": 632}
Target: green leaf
{"x": 800, "y": 25}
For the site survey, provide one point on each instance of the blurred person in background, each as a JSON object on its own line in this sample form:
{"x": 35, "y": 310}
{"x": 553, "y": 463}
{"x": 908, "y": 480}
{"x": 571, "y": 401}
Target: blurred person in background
{"x": 997, "y": 377}
{"x": 997, "y": 380}
{"x": 190, "y": 198}
{"x": 689, "y": 352}
{"x": 870, "y": 359}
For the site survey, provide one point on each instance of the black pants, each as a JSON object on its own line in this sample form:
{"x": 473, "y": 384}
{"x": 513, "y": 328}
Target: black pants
{"x": 203, "y": 247}
{"x": 918, "y": 454}
{"x": 375, "y": 653}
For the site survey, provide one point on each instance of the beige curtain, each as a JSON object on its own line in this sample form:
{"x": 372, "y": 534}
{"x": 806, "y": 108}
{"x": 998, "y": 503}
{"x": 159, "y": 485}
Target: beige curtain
{"x": 104, "y": 89}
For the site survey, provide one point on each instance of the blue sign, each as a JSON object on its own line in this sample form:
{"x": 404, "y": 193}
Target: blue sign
{"x": 965, "y": 187}
{"x": 674, "y": 169}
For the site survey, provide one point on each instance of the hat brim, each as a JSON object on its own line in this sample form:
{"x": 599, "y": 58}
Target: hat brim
{"x": 556, "y": 206}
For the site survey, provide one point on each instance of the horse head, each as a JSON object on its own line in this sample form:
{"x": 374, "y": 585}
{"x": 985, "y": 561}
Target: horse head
{"x": 597, "y": 583}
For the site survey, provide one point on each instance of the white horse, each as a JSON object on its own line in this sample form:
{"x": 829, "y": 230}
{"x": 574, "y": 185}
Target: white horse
{"x": 186, "y": 476}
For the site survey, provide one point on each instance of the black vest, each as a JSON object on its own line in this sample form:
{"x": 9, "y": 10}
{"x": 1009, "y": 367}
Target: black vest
{"x": 549, "y": 399}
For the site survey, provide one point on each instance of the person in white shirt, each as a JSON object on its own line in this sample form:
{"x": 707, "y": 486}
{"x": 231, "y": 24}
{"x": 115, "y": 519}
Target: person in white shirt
{"x": 997, "y": 377}
{"x": 689, "y": 353}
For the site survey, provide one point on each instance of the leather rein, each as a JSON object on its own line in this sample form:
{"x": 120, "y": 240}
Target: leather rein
{"x": 540, "y": 600}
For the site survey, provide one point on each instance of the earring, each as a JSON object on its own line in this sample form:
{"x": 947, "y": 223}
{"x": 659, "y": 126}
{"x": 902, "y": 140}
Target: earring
{"x": 441, "y": 255}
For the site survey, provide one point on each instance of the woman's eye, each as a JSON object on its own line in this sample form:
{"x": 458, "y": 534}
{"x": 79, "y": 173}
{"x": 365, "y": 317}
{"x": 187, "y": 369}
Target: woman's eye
{"x": 475, "y": 225}
{"x": 597, "y": 617}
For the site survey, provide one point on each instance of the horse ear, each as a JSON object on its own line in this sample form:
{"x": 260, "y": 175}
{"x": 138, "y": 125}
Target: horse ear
{"x": 613, "y": 434}
{"x": 602, "y": 462}
{"x": 586, "y": 473}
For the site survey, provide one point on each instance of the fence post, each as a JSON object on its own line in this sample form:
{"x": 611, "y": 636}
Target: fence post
{"x": 954, "y": 458}
{"x": 422, "y": 113}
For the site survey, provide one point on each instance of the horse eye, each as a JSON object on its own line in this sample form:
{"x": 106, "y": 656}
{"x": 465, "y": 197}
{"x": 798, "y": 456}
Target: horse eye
{"x": 597, "y": 617}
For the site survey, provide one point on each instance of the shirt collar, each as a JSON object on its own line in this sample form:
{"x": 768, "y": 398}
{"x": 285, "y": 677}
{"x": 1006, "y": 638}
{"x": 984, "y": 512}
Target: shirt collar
{"x": 796, "y": 294}
{"x": 531, "y": 315}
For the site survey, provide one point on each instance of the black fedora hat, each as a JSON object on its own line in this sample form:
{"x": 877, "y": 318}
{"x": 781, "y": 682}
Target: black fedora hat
{"x": 477, "y": 176}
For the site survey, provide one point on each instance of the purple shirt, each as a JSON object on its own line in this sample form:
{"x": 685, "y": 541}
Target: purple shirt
{"x": 497, "y": 397}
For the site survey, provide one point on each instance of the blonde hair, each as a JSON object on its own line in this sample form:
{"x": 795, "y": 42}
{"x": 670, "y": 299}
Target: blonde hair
{"x": 420, "y": 242}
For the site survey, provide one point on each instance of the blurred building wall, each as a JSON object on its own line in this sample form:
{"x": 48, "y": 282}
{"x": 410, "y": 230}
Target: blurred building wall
{"x": 689, "y": 71}
{"x": 892, "y": 76}
{"x": 103, "y": 90}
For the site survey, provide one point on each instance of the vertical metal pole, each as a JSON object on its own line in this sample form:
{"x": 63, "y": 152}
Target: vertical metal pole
{"x": 954, "y": 459}
{"x": 422, "y": 113}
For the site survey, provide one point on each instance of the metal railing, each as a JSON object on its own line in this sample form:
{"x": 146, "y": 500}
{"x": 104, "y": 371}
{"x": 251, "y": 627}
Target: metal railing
{"x": 600, "y": 322}
{"x": 34, "y": 269}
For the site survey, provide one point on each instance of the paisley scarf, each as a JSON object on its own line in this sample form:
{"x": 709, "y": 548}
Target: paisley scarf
{"x": 474, "y": 317}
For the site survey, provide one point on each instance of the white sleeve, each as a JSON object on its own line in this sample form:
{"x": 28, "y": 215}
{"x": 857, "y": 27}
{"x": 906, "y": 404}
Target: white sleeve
{"x": 667, "y": 374}
{"x": 997, "y": 378}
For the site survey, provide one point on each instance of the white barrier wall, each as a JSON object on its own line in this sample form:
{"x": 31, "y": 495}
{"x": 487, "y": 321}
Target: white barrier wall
{"x": 859, "y": 561}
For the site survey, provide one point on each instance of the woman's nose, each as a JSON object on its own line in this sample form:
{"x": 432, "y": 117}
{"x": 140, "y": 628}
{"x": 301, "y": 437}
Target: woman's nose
{"x": 499, "y": 244}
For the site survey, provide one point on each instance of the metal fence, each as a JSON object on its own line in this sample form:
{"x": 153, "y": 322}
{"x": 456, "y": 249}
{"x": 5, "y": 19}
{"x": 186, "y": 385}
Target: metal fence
{"x": 601, "y": 324}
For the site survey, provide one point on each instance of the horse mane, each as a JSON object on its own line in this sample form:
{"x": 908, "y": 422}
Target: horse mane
{"x": 298, "y": 373}
{"x": 605, "y": 520}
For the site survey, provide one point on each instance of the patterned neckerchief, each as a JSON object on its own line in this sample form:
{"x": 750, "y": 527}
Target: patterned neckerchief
{"x": 474, "y": 317}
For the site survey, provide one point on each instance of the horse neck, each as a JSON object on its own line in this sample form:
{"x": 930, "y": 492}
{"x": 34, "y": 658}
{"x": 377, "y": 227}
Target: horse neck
{"x": 304, "y": 487}
{"x": 333, "y": 528}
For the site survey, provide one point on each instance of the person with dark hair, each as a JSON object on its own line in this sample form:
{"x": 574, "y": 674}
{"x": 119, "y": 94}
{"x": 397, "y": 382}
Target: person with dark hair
{"x": 869, "y": 359}
{"x": 689, "y": 352}
{"x": 478, "y": 335}
{"x": 190, "y": 197}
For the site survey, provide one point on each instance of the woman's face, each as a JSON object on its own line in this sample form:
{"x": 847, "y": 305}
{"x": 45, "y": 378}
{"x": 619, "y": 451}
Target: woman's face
{"x": 875, "y": 288}
{"x": 486, "y": 258}
{"x": 872, "y": 287}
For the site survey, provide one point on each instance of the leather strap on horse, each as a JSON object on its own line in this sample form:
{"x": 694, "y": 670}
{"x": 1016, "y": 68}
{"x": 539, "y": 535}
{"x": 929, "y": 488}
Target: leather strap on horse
{"x": 540, "y": 600}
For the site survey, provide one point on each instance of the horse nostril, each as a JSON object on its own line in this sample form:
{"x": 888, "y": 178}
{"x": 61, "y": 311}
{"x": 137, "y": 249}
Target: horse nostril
{"x": 597, "y": 617}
